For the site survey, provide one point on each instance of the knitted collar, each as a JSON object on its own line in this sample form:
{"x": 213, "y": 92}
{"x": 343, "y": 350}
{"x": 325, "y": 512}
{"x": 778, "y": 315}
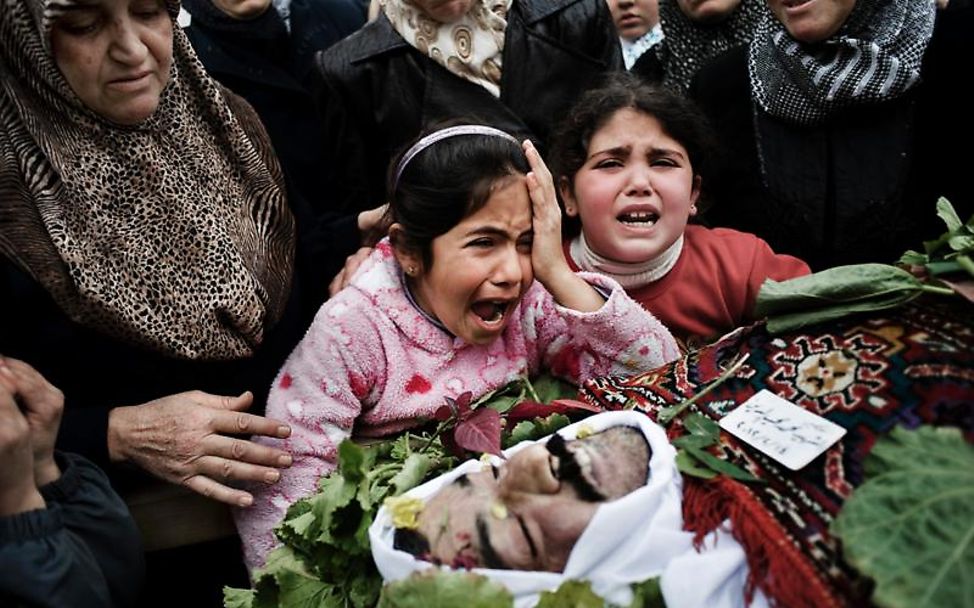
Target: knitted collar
{"x": 630, "y": 276}
{"x": 875, "y": 56}
{"x": 471, "y": 47}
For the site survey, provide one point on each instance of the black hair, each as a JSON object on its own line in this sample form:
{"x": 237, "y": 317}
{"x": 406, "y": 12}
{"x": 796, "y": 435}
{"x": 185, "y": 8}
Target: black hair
{"x": 679, "y": 117}
{"x": 446, "y": 182}
{"x": 412, "y": 542}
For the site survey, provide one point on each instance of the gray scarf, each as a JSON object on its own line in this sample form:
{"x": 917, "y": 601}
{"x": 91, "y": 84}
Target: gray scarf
{"x": 875, "y": 56}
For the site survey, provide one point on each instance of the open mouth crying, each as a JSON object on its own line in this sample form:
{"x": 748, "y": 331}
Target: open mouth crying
{"x": 491, "y": 311}
{"x": 645, "y": 219}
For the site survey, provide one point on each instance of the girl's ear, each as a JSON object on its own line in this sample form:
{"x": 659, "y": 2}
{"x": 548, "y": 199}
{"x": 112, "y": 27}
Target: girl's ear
{"x": 409, "y": 260}
{"x": 565, "y": 189}
{"x": 695, "y": 194}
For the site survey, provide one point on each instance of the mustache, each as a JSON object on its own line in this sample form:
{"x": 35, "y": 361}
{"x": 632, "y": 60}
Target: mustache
{"x": 569, "y": 471}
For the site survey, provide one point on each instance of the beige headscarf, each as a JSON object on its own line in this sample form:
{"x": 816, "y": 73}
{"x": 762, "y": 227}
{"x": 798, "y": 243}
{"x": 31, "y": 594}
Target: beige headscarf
{"x": 471, "y": 47}
{"x": 173, "y": 234}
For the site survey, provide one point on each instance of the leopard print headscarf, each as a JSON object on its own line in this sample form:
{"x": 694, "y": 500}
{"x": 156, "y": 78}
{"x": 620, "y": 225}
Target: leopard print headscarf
{"x": 173, "y": 234}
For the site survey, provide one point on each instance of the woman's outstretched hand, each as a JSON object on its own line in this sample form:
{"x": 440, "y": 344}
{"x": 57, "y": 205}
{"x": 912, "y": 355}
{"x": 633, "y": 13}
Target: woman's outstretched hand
{"x": 547, "y": 256}
{"x": 184, "y": 439}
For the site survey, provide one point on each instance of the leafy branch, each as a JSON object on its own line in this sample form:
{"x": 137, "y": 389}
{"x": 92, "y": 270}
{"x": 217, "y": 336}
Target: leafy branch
{"x": 946, "y": 268}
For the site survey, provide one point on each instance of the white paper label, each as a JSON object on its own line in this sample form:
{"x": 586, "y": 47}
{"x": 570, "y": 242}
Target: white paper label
{"x": 782, "y": 430}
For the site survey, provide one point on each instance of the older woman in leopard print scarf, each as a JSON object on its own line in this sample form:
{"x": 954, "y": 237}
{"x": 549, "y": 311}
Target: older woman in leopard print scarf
{"x": 146, "y": 200}
{"x": 172, "y": 232}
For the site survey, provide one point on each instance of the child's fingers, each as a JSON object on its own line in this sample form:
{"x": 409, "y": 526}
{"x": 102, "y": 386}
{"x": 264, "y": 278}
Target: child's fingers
{"x": 538, "y": 166}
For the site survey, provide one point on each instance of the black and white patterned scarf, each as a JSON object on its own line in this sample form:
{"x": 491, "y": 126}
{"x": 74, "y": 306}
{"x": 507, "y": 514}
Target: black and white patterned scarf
{"x": 875, "y": 56}
{"x": 688, "y": 45}
{"x": 173, "y": 234}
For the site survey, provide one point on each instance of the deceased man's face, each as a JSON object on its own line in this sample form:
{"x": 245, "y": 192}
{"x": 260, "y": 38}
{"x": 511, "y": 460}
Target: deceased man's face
{"x": 528, "y": 513}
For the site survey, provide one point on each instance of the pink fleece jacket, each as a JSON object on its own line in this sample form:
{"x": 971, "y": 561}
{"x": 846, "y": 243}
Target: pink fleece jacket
{"x": 371, "y": 360}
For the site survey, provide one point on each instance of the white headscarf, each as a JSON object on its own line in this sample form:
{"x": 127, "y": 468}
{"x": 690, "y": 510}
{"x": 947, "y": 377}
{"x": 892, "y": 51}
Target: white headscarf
{"x": 629, "y": 540}
{"x": 472, "y": 47}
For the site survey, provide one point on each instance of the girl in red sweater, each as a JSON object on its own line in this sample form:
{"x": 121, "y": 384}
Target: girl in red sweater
{"x": 629, "y": 162}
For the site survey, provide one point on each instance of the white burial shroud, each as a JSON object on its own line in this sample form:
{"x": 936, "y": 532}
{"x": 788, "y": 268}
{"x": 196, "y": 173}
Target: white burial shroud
{"x": 629, "y": 540}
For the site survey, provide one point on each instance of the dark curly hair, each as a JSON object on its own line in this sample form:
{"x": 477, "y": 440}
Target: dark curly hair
{"x": 679, "y": 117}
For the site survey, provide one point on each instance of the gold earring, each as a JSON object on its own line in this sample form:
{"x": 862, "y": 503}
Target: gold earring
{"x": 411, "y": 270}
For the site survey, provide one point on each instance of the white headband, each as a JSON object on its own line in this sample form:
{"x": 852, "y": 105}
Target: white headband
{"x": 436, "y": 136}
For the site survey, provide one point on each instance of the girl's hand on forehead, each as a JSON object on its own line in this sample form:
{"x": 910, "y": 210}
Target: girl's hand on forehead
{"x": 547, "y": 257}
{"x": 546, "y": 252}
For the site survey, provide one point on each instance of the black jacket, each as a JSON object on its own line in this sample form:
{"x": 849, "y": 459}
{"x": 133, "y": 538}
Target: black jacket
{"x": 263, "y": 62}
{"x": 863, "y": 186}
{"x": 269, "y": 66}
{"x": 377, "y": 92}
{"x": 83, "y": 549}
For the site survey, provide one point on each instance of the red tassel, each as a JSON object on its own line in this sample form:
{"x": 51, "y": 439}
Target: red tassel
{"x": 776, "y": 564}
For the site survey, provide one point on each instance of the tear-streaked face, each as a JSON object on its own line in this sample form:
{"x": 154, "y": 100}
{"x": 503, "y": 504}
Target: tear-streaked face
{"x": 481, "y": 267}
{"x": 635, "y": 191}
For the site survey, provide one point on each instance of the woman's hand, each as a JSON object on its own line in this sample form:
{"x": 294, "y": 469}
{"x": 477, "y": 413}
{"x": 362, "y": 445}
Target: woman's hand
{"x": 182, "y": 439}
{"x": 547, "y": 256}
{"x": 18, "y": 492}
{"x": 345, "y": 275}
{"x": 43, "y": 404}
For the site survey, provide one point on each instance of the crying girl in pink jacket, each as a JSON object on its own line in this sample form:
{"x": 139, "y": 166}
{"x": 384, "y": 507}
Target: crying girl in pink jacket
{"x": 447, "y": 304}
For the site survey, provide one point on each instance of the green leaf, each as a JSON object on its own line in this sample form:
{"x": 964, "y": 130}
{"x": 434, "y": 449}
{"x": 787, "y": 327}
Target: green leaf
{"x": 947, "y": 213}
{"x": 522, "y": 431}
{"x": 434, "y": 588}
{"x": 238, "y": 598}
{"x": 412, "y": 474}
{"x": 910, "y": 526}
{"x": 698, "y": 424}
{"x": 571, "y": 594}
{"x": 720, "y": 466}
{"x": 688, "y": 466}
{"x": 302, "y": 590}
{"x": 502, "y": 403}
{"x": 647, "y": 594}
{"x": 947, "y": 267}
{"x": 914, "y": 258}
{"x": 961, "y": 242}
{"x": 785, "y": 322}
{"x": 550, "y": 424}
{"x": 549, "y": 388}
{"x": 692, "y": 441}
{"x": 834, "y": 293}
{"x": 352, "y": 460}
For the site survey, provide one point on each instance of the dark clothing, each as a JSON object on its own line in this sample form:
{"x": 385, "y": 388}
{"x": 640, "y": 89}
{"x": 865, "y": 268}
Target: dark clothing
{"x": 97, "y": 372}
{"x": 649, "y": 66}
{"x": 377, "y": 92}
{"x": 862, "y": 187}
{"x": 82, "y": 550}
{"x": 268, "y": 66}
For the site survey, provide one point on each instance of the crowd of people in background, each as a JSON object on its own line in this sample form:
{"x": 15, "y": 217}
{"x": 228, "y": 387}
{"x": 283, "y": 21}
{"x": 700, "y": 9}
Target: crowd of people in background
{"x": 180, "y": 182}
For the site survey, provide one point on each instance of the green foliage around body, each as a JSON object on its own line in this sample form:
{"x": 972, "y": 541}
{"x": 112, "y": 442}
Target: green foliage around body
{"x": 910, "y": 526}
{"x": 439, "y": 588}
{"x": 325, "y": 559}
{"x": 945, "y": 268}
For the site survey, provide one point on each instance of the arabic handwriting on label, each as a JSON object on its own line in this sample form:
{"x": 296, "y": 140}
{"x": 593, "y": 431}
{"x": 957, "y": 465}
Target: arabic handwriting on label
{"x": 781, "y": 429}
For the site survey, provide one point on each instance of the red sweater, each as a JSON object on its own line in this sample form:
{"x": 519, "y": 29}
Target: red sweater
{"x": 713, "y": 286}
